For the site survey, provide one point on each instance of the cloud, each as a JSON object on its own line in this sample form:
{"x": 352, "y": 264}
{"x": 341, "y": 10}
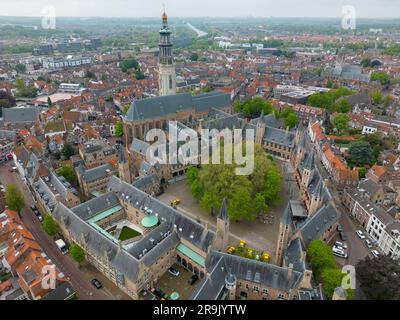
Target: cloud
{"x": 202, "y": 8}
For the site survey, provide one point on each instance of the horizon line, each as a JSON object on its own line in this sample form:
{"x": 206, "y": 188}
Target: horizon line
{"x": 221, "y": 17}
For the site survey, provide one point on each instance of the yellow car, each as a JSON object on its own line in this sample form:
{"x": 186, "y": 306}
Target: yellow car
{"x": 175, "y": 202}
{"x": 265, "y": 257}
{"x": 242, "y": 243}
{"x": 231, "y": 250}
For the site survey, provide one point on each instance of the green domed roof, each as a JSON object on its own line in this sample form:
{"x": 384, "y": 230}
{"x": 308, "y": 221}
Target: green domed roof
{"x": 149, "y": 221}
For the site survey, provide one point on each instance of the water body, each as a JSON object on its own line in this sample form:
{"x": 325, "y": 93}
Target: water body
{"x": 199, "y": 32}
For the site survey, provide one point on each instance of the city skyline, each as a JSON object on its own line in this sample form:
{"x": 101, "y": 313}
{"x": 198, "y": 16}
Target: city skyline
{"x": 220, "y": 8}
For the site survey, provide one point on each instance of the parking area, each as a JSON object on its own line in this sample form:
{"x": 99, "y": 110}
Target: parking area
{"x": 169, "y": 283}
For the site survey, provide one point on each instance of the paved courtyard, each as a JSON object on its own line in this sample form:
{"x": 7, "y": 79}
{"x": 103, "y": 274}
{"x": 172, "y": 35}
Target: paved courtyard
{"x": 257, "y": 234}
{"x": 169, "y": 283}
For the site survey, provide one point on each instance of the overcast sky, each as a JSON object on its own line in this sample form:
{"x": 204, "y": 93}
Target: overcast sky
{"x": 202, "y": 8}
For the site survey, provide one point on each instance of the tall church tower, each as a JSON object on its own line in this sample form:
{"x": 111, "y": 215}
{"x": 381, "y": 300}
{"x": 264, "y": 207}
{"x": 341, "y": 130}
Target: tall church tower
{"x": 222, "y": 234}
{"x": 123, "y": 167}
{"x": 167, "y": 76}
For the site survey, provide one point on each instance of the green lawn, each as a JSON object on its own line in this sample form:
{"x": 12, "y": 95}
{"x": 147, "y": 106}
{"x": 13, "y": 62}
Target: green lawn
{"x": 128, "y": 233}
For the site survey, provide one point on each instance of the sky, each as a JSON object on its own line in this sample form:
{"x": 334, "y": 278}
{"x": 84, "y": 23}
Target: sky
{"x": 202, "y": 8}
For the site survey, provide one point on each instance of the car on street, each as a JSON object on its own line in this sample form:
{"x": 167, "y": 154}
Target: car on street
{"x": 368, "y": 243}
{"x": 193, "y": 279}
{"x": 339, "y": 252}
{"x": 360, "y": 234}
{"x": 375, "y": 253}
{"x": 342, "y": 236}
{"x": 341, "y": 244}
{"x": 173, "y": 271}
{"x": 13, "y": 169}
{"x": 97, "y": 283}
{"x": 175, "y": 202}
{"x": 40, "y": 218}
{"x": 339, "y": 228}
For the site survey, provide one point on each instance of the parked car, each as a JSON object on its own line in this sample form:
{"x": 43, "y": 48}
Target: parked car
{"x": 173, "y": 271}
{"x": 193, "y": 279}
{"x": 375, "y": 253}
{"x": 339, "y": 228}
{"x": 339, "y": 252}
{"x": 360, "y": 234}
{"x": 97, "y": 283}
{"x": 175, "y": 202}
{"x": 159, "y": 293}
{"x": 340, "y": 244}
{"x": 40, "y": 218}
{"x": 368, "y": 243}
{"x": 342, "y": 236}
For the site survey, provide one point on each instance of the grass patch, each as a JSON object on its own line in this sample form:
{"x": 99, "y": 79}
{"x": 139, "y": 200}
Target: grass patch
{"x": 128, "y": 233}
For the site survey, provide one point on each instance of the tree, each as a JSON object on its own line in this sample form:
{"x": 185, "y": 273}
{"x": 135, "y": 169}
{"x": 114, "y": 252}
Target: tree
{"x": 67, "y": 151}
{"x": 331, "y": 279}
{"x": 127, "y": 64}
{"x": 77, "y": 253}
{"x": 20, "y": 68}
{"x": 139, "y": 75}
{"x": 119, "y": 130}
{"x": 14, "y": 199}
{"x": 366, "y": 62}
{"x": 379, "y": 278}
{"x": 252, "y": 108}
{"x": 25, "y": 91}
{"x": 341, "y": 121}
{"x": 382, "y": 77}
{"x": 376, "y": 97}
{"x": 291, "y": 120}
{"x": 50, "y": 226}
{"x": 68, "y": 173}
{"x": 49, "y": 103}
{"x": 321, "y": 257}
{"x": 362, "y": 172}
{"x": 360, "y": 153}
{"x": 329, "y": 84}
{"x": 247, "y": 196}
{"x": 194, "y": 57}
{"x": 343, "y": 106}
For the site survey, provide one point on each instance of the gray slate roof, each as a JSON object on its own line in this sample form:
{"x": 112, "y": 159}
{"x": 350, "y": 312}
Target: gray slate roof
{"x": 95, "y": 206}
{"x": 97, "y": 172}
{"x": 20, "y": 115}
{"x": 169, "y": 105}
{"x": 186, "y": 227}
{"x": 321, "y": 221}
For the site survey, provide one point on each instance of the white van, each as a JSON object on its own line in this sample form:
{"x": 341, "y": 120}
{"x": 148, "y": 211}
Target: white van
{"x": 62, "y": 246}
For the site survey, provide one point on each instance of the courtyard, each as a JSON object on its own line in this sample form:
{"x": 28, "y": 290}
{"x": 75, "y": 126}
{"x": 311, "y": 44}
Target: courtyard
{"x": 260, "y": 234}
{"x": 169, "y": 283}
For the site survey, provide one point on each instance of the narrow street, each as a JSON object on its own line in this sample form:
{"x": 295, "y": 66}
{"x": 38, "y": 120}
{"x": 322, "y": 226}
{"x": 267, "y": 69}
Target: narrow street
{"x": 356, "y": 247}
{"x": 80, "y": 280}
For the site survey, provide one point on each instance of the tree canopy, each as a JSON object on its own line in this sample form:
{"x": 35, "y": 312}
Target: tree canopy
{"x": 77, "y": 253}
{"x": 14, "y": 198}
{"x": 326, "y": 100}
{"x": 341, "y": 122}
{"x": 382, "y": 77}
{"x": 247, "y": 195}
{"x": 68, "y": 173}
{"x": 252, "y": 108}
{"x": 50, "y": 226}
{"x": 67, "y": 151}
{"x": 127, "y": 64}
{"x": 360, "y": 153}
{"x": 379, "y": 278}
{"x": 119, "y": 130}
